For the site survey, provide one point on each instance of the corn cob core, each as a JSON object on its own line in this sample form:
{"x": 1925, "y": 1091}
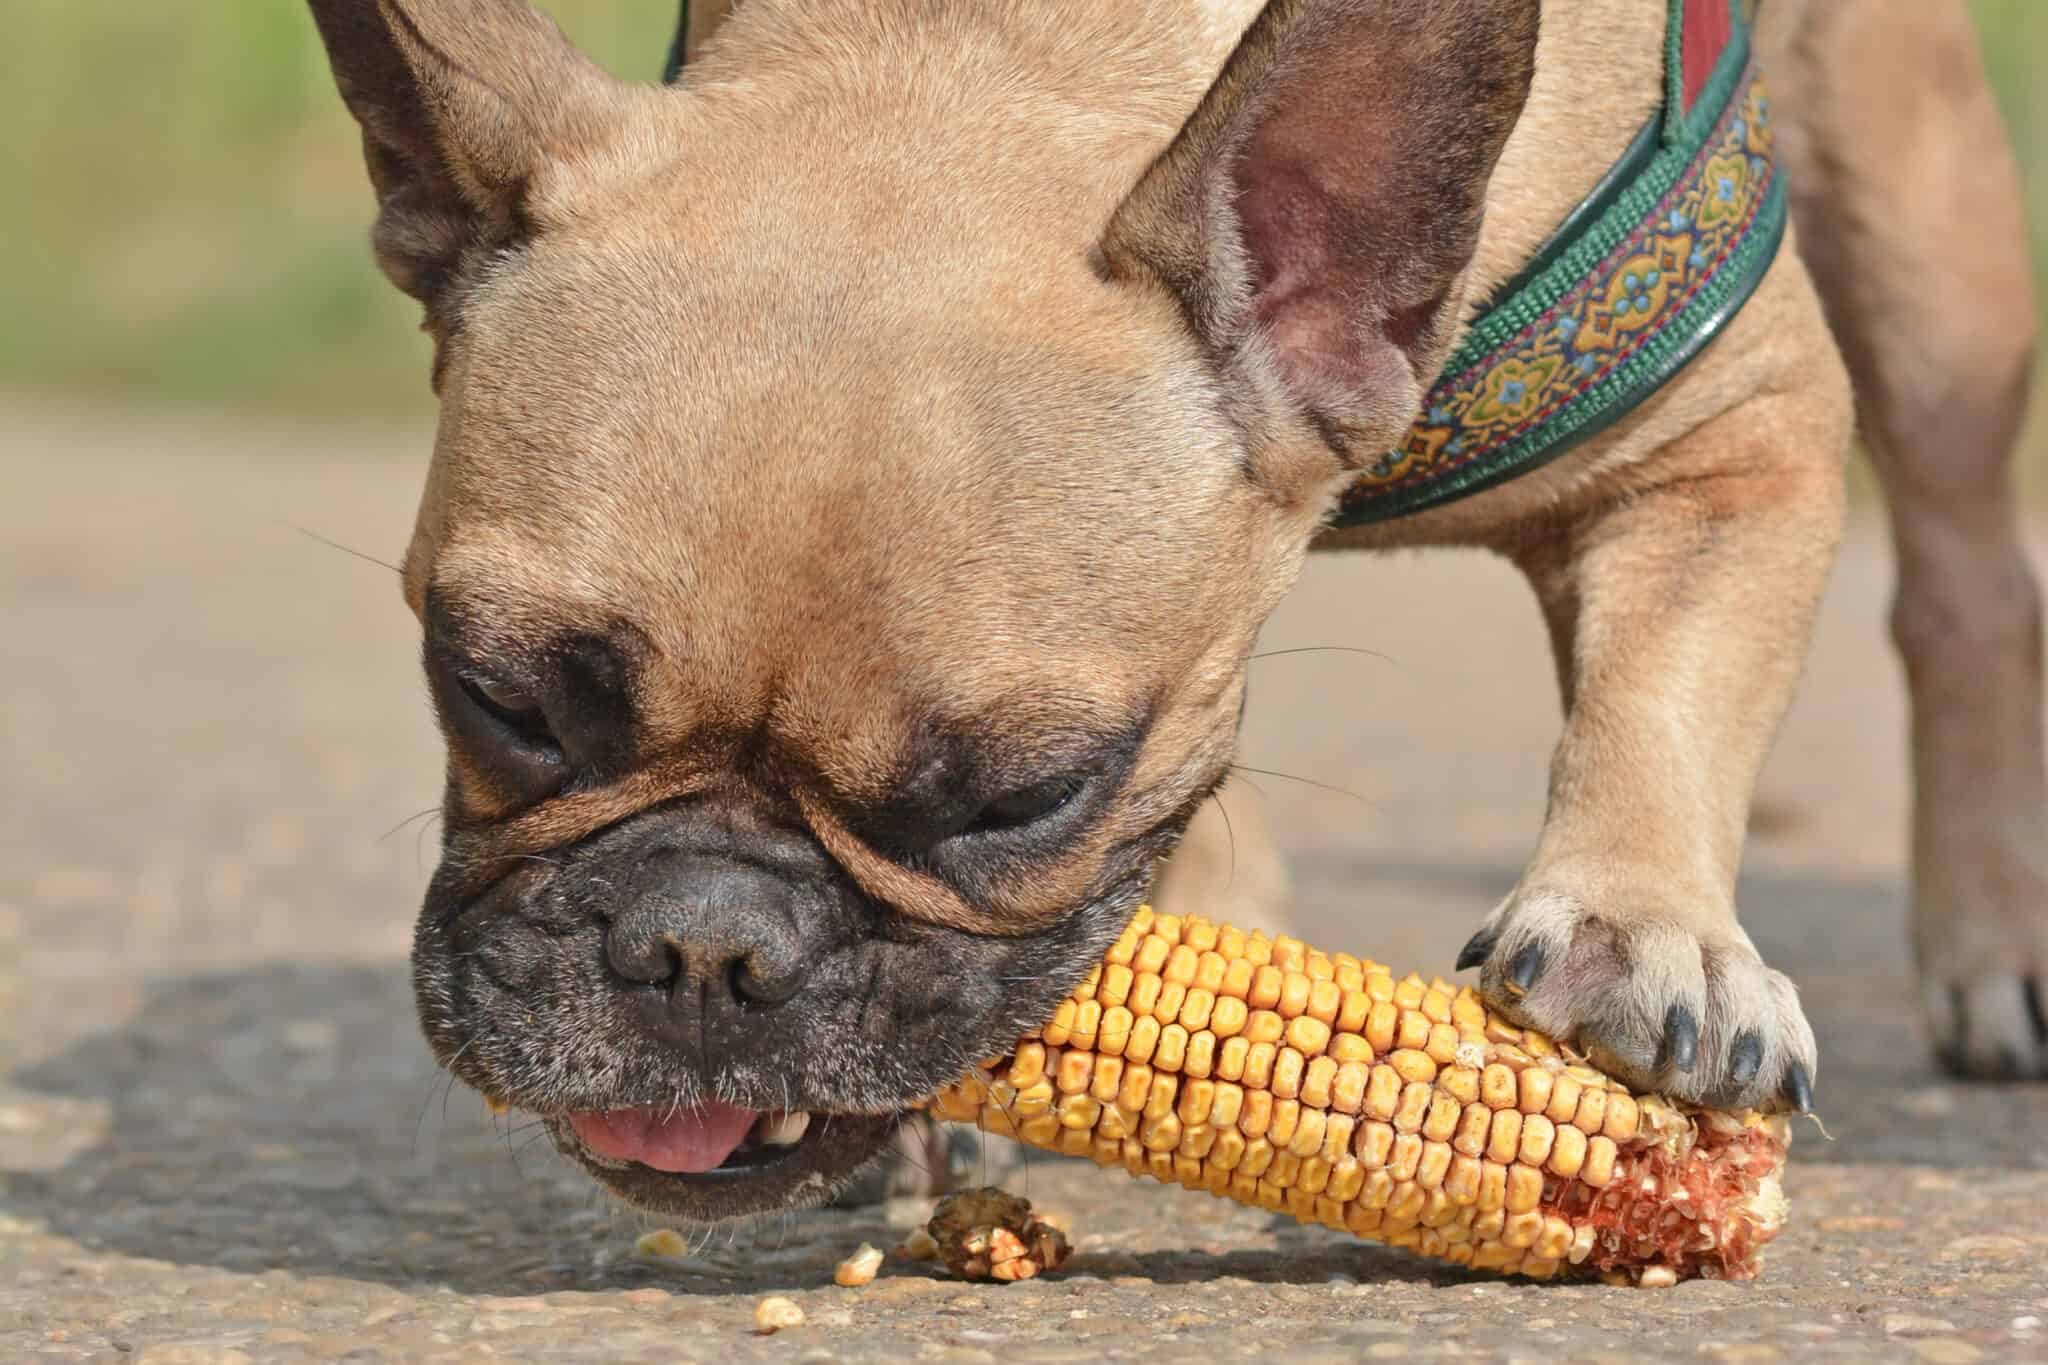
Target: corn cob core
{"x": 1401, "y": 1110}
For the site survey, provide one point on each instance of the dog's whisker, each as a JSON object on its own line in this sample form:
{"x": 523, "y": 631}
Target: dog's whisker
{"x": 1307, "y": 782}
{"x": 345, "y": 549}
{"x": 1230, "y": 831}
{"x": 1373, "y": 654}
{"x": 445, "y": 1074}
{"x": 429, "y": 812}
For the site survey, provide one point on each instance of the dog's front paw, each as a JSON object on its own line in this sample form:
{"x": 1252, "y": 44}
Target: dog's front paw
{"x": 1696, "y": 1016}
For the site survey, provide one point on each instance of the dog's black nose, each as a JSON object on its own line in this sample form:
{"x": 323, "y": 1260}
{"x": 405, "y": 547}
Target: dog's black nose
{"x": 719, "y": 929}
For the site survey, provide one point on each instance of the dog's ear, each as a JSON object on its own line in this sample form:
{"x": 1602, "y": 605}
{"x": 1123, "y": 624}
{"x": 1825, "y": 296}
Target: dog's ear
{"x": 696, "y": 21}
{"x": 1317, "y": 214}
{"x": 464, "y": 106}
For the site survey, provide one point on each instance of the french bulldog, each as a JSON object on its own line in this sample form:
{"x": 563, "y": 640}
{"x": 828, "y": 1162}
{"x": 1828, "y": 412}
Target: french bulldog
{"x": 864, "y": 467}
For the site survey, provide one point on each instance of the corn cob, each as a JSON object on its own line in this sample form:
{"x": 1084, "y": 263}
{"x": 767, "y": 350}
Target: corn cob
{"x": 1402, "y": 1111}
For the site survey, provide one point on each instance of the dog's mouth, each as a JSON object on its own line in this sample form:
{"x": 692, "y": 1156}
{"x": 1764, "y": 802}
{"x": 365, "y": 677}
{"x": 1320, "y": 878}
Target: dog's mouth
{"x": 718, "y": 1160}
{"x": 714, "y": 1139}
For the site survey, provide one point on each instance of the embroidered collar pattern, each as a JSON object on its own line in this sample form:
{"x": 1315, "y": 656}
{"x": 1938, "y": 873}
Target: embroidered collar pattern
{"x": 1634, "y": 285}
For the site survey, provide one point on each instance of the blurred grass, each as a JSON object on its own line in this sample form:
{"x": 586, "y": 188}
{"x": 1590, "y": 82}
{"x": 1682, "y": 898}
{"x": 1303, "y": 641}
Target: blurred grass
{"x": 189, "y": 214}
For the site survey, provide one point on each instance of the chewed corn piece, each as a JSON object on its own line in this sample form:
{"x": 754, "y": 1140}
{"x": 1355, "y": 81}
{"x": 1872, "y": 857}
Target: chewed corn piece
{"x": 986, "y": 1234}
{"x": 1403, "y": 1111}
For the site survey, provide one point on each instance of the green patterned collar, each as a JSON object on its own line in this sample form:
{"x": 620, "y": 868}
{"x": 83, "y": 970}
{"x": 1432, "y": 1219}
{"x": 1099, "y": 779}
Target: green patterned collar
{"x": 1633, "y": 285}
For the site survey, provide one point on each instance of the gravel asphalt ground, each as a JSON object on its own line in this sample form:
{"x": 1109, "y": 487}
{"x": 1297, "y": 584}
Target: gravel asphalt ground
{"x": 221, "y": 1139}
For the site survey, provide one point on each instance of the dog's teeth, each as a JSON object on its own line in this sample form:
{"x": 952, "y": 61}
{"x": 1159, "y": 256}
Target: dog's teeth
{"x": 784, "y": 1130}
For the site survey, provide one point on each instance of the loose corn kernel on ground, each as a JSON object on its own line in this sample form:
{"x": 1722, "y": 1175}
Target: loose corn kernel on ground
{"x": 859, "y": 1268}
{"x": 1400, "y": 1110}
{"x": 774, "y": 1313}
{"x": 663, "y": 1244}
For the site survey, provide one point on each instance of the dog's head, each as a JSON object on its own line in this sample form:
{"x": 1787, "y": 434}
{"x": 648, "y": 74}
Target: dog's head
{"x": 862, "y": 473}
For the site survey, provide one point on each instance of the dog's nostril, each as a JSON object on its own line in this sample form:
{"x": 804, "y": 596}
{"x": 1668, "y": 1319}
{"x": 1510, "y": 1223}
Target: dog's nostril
{"x": 644, "y": 959}
{"x": 758, "y": 983}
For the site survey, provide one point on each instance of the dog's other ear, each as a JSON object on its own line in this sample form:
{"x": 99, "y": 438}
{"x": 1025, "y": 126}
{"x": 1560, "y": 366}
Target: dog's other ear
{"x": 464, "y": 104}
{"x": 1317, "y": 214}
{"x": 696, "y": 21}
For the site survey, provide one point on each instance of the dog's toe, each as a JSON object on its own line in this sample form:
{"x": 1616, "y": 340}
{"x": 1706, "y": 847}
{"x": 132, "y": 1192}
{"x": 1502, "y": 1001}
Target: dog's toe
{"x": 1990, "y": 1027}
{"x": 1663, "y": 1009}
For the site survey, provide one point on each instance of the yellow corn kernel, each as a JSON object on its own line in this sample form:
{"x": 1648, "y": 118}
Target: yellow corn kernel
{"x": 1415, "y": 1099}
{"x": 1316, "y": 1081}
{"x": 1286, "y": 1115}
{"x": 1538, "y": 1133}
{"x": 1347, "y": 1089}
{"x": 1383, "y": 1092}
{"x": 1227, "y": 1017}
{"x": 1564, "y": 1099}
{"x": 1382, "y": 1025}
{"x": 1109, "y": 1075}
{"x": 1143, "y": 1040}
{"x": 1505, "y": 1142}
{"x": 1442, "y": 1119}
{"x": 1350, "y": 1047}
{"x": 1172, "y": 1050}
{"x": 1567, "y": 1152}
{"x": 1228, "y": 1104}
{"x": 1414, "y": 1031}
{"x": 1338, "y": 1130}
{"x": 1288, "y": 1066}
{"x": 1258, "y": 1113}
{"x": 1497, "y": 1087}
{"x": 1622, "y": 1116}
{"x": 1308, "y": 1133}
{"x": 1307, "y": 1035}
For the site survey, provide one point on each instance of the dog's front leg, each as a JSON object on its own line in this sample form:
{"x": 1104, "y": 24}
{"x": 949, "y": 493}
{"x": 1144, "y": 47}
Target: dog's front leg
{"x": 1680, "y": 615}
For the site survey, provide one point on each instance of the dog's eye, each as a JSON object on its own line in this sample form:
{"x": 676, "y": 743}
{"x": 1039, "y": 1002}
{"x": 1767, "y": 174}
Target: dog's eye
{"x": 1025, "y": 806}
{"x": 509, "y": 705}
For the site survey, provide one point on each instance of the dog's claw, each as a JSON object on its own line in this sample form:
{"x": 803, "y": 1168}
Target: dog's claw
{"x": 1745, "y": 1058}
{"x": 1799, "y": 1088}
{"x": 1681, "y": 1039}
{"x": 1477, "y": 949}
{"x": 1522, "y": 972}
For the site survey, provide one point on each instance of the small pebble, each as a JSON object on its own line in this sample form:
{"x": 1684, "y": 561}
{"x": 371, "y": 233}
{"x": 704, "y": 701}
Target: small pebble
{"x": 774, "y": 1313}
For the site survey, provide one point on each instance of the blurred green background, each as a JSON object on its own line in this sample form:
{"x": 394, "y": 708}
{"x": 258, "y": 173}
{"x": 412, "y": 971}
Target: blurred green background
{"x": 188, "y": 215}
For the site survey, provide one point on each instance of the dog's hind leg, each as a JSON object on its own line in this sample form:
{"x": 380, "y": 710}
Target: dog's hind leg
{"x": 1908, "y": 209}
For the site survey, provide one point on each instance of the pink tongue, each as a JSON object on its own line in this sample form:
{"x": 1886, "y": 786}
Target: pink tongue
{"x": 688, "y": 1140}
